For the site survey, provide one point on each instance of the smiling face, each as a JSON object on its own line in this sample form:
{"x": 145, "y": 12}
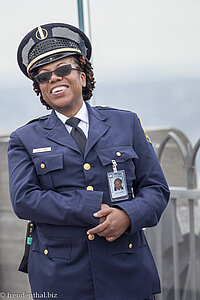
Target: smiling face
{"x": 118, "y": 184}
{"x": 64, "y": 94}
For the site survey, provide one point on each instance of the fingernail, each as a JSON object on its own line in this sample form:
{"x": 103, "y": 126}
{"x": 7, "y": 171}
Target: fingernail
{"x": 95, "y": 214}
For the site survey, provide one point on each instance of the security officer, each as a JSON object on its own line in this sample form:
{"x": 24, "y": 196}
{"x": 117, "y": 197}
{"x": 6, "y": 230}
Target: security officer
{"x": 88, "y": 243}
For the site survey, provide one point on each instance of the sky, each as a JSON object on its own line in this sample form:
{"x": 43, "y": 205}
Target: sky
{"x": 143, "y": 38}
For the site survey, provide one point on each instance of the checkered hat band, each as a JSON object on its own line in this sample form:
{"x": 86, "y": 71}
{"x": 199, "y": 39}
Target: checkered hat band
{"x": 51, "y": 44}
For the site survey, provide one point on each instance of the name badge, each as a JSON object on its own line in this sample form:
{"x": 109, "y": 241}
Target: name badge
{"x": 38, "y": 150}
{"x": 117, "y": 184}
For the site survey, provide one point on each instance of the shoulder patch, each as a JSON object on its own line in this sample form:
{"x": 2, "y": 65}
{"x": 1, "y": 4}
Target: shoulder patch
{"x": 147, "y": 137}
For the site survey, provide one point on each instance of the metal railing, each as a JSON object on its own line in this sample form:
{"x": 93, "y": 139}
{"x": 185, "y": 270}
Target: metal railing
{"x": 188, "y": 153}
{"x": 191, "y": 281}
{"x": 172, "y": 262}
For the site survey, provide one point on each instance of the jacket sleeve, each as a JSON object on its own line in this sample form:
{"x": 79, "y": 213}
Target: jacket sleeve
{"x": 151, "y": 192}
{"x": 30, "y": 202}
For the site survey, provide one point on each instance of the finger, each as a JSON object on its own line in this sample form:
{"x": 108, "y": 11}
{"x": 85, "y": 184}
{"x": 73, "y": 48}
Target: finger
{"x": 102, "y": 213}
{"x": 102, "y": 219}
{"x": 103, "y": 205}
{"x": 99, "y": 228}
{"x": 111, "y": 238}
{"x": 105, "y": 233}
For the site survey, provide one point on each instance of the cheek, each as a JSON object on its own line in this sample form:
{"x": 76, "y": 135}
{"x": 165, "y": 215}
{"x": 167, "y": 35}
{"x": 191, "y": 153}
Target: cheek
{"x": 44, "y": 92}
{"x": 42, "y": 89}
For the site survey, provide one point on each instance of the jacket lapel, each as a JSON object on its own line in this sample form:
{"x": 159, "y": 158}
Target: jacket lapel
{"x": 57, "y": 132}
{"x": 97, "y": 127}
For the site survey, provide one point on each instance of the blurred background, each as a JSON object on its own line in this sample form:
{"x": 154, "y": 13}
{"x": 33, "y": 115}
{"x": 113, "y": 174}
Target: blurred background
{"x": 146, "y": 58}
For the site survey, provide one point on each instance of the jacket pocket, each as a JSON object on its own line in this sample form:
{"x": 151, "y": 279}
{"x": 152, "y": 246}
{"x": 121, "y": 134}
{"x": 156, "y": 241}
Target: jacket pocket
{"x": 124, "y": 156}
{"x": 53, "y": 248}
{"x": 46, "y": 167}
{"x": 126, "y": 244}
{"x": 120, "y": 154}
{"x": 44, "y": 164}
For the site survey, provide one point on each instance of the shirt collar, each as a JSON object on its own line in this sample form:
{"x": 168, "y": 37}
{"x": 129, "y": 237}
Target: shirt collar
{"x": 82, "y": 114}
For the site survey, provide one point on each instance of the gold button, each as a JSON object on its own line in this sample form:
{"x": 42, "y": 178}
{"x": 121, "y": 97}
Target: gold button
{"x": 46, "y": 251}
{"x": 130, "y": 246}
{"x": 42, "y": 166}
{"x": 118, "y": 153}
{"x": 91, "y": 236}
{"x": 87, "y": 166}
{"x": 90, "y": 188}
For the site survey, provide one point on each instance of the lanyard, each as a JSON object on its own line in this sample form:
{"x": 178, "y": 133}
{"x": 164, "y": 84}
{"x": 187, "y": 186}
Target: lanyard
{"x": 114, "y": 166}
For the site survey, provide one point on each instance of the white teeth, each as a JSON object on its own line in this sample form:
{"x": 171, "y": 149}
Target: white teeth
{"x": 59, "y": 89}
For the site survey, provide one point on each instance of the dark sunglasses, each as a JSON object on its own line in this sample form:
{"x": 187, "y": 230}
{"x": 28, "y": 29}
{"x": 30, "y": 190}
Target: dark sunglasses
{"x": 60, "y": 72}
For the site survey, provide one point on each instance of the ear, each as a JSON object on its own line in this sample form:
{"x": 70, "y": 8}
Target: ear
{"x": 83, "y": 79}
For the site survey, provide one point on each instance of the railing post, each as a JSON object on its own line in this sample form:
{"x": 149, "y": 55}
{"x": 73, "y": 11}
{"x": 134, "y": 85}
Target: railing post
{"x": 175, "y": 252}
{"x": 192, "y": 251}
{"x": 158, "y": 254}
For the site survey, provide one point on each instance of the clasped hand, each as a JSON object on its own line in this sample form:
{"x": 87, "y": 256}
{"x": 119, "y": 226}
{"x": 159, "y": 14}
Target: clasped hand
{"x": 113, "y": 222}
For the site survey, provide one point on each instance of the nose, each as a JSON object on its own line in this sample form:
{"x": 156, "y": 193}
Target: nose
{"x": 54, "y": 77}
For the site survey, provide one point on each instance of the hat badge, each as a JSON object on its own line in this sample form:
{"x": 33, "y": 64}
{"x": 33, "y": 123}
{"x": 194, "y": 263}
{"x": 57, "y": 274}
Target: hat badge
{"x": 41, "y": 33}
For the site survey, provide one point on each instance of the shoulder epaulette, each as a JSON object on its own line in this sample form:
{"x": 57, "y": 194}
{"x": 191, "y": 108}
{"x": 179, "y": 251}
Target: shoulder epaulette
{"x": 37, "y": 119}
{"x": 44, "y": 117}
{"x": 34, "y": 120}
{"x": 104, "y": 107}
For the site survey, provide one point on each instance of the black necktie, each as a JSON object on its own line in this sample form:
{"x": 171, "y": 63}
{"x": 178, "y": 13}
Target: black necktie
{"x": 77, "y": 133}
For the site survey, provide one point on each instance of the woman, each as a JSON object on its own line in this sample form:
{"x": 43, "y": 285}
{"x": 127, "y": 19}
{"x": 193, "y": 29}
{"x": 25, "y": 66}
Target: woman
{"x": 88, "y": 243}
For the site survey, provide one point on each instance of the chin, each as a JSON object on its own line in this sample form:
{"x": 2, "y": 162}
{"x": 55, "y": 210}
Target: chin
{"x": 61, "y": 103}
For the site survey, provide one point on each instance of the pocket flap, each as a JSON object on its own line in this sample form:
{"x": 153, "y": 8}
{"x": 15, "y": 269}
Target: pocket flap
{"x": 118, "y": 153}
{"x": 44, "y": 164}
{"x": 53, "y": 248}
{"x": 126, "y": 244}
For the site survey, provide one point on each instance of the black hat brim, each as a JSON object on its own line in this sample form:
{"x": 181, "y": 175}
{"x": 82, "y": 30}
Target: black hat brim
{"x": 52, "y": 58}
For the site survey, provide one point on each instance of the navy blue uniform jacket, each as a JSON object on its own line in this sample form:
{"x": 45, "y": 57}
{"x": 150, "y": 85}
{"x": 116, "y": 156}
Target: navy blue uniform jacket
{"x": 53, "y": 189}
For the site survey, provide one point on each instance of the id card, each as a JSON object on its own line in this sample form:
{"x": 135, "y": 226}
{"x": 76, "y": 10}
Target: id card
{"x": 117, "y": 185}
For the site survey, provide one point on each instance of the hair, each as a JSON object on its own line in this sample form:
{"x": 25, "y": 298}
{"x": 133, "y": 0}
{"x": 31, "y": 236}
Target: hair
{"x": 118, "y": 179}
{"x": 85, "y": 66}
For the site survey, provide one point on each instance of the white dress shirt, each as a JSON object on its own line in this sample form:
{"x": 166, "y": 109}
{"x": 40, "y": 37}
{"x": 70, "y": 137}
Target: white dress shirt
{"x": 82, "y": 114}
